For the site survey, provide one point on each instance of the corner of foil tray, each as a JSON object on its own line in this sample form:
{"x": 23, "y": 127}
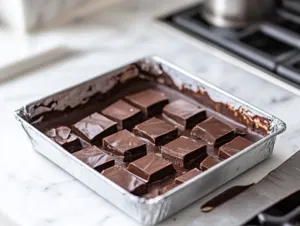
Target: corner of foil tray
{"x": 277, "y": 126}
{"x": 20, "y": 114}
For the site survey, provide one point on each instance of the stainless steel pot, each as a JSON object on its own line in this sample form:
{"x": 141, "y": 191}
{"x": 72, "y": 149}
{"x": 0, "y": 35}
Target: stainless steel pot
{"x": 237, "y": 13}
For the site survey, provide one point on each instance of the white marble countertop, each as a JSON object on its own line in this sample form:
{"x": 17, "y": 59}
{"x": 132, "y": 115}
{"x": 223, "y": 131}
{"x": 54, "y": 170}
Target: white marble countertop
{"x": 33, "y": 190}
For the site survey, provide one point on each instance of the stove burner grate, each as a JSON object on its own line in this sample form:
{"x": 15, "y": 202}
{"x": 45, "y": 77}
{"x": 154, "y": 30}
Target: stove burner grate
{"x": 271, "y": 45}
{"x": 284, "y": 213}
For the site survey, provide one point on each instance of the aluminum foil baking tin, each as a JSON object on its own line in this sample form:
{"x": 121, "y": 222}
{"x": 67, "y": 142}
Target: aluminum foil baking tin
{"x": 152, "y": 211}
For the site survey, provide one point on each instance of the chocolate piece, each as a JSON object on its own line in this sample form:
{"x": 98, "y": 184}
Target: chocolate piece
{"x": 126, "y": 115}
{"x": 183, "y": 150}
{"x": 150, "y": 101}
{"x": 209, "y": 162}
{"x": 126, "y": 180}
{"x": 95, "y": 158}
{"x": 95, "y": 127}
{"x": 231, "y": 148}
{"x": 169, "y": 187}
{"x": 179, "y": 180}
{"x": 213, "y": 131}
{"x": 185, "y": 113}
{"x": 125, "y": 144}
{"x": 151, "y": 168}
{"x": 187, "y": 176}
{"x": 157, "y": 131}
{"x": 64, "y": 137}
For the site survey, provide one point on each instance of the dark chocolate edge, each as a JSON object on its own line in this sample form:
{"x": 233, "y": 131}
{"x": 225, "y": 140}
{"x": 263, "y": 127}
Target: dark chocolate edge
{"x": 140, "y": 152}
{"x": 73, "y": 146}
{"x": 174, "y": 160}
{"x": 199, "y": 154}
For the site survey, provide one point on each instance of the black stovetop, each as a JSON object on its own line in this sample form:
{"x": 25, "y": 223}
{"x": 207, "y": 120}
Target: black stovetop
{"x": 284, "y": 213}
{"x": 273, "y": 45}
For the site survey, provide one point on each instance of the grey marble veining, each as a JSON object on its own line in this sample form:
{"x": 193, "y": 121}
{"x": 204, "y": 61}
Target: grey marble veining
{"x": 34, "y": 191}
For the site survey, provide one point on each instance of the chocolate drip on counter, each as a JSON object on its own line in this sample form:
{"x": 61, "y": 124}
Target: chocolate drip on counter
{"x": 223, "y": 197}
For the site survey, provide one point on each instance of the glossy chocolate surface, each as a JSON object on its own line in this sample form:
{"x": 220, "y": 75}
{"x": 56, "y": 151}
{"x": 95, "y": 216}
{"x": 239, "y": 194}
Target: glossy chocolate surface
{"x": 95, "y": 127}
{"x": 169, "y": 187}
{"x": 64, "y": 137}
{"x": 209, "y": 162}
{"x": 187, "y": 176}
{"x": 126, "y": 115}
{"x": 184, "y": 113}
{"x": 184, "y": 152}
{"x": 180, "y": 180}
{"x": 95, "y": 158}
{"x": 152, "y": 168}
{"x": 126, "y": 180}
{"x": 126, "y": 145}
{"x": 157, "y": 131}
{"x": 121, "y": 148}
{"x": 213, "y": 132}
{"x": 150, "y": 101}
{"x": 233, "y": 147}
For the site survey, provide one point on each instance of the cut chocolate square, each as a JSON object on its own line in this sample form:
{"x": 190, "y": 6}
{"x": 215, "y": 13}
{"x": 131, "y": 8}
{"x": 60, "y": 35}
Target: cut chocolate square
{"x": 126, "y": 145}
{"x": 126, "y": 180}
{"x": 152, "y": 168}
{"x": 94, "y": 128}
{"x": 181, "y": 179}
{"x": 169, "y": 187}
{"x": 233, "y": 147}
{"x": 183, "y": 151}
{"x": 64, "y": 137}
{"x": 126, "y": 115}
{"x": 156, "y": 131}
{"x": 187, "y": 176}
{"x": 150, "y": 102}
{"x": 209, "y": 162}
{"x": 213, "y": 131}
{"x": 184, "y": 113}
{"x": 95, "y": 158}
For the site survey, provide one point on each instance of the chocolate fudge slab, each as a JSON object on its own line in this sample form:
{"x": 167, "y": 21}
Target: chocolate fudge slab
{"x": 94, "y": 128}
{"x": 156, "y": 131}
{"x": 183, "y": 150}
{"x": 213, "y": 132}
{"x": 169, "y": 187}
{"x": 126, "y": 180}
{"x": 233, "y": 147}
{"x": 150, "y": 101}
{"x": 187, "y": 176}
{"x": 181, "y": 179}
{"x": 151, "y": 168}
{"x": 95, "y": 158}
{"x": 126, "y": 145}
{"x": 209, "y": 162}
{"x": 184, "y": 113}
{"x": 126, "y": 115}
{"x": 65, "y": 138}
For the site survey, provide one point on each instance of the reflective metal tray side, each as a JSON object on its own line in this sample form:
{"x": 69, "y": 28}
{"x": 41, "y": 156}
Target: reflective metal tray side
{"x": 157, "y": 209}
